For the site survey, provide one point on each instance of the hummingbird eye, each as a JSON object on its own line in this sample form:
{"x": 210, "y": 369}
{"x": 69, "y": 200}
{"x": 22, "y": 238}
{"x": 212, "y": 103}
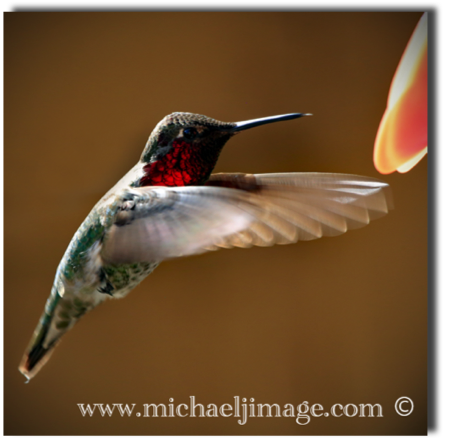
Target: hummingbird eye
{"x": 189, "y": 133}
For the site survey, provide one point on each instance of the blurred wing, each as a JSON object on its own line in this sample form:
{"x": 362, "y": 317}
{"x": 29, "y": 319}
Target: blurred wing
{"x": 295, "y": 207}
{"x": 156, "y": 223}
{"x": 241, "y": 210}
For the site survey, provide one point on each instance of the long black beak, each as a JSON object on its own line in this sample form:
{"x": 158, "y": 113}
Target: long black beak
{"x": 240, "y": 126}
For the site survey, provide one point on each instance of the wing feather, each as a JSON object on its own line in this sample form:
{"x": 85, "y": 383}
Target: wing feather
{"x": 241, "y": 210}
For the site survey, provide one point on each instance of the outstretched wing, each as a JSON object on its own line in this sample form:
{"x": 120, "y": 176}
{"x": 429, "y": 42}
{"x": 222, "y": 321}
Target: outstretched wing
{"x": 241, "y": 210}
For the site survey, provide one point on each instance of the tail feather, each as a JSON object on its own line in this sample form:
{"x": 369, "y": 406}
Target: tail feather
{"x": 37, "y": 353}
{"x": 60, "y": 314}
{"x": 42, "y": 343}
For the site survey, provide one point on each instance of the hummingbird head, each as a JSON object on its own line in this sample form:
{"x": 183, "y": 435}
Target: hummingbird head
{"x": 186, "y": 131}
{"x": 184, "y": 147}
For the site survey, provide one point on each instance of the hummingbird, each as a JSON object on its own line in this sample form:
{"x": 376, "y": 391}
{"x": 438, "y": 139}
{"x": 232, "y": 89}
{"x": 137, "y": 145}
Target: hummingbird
{"x": 170, "y": 205}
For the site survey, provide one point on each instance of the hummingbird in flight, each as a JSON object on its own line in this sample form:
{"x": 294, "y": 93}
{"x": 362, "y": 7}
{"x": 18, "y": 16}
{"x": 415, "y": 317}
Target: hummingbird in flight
{"x": 171, "y": 205}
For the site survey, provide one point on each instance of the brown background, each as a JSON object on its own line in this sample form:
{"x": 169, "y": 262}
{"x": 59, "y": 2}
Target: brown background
{"x": 337, "y": 320}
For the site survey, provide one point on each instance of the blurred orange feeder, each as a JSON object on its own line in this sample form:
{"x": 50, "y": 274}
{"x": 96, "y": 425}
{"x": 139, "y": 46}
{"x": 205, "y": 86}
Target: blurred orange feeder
{"x": 401, "y": 140}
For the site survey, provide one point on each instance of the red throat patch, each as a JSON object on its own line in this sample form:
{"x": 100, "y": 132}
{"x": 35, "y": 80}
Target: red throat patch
{"x": 182, "y": 166}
